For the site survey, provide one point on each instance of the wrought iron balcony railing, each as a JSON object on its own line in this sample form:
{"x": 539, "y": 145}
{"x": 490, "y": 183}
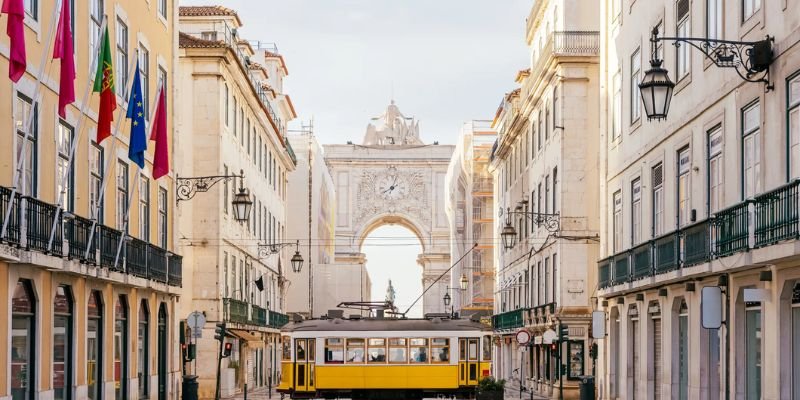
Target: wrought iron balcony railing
{"x": 509, "y": 320}
{"x": 277, "y": 320}
{"x": 30, "y": 226}
{"x": 776, "y": 215}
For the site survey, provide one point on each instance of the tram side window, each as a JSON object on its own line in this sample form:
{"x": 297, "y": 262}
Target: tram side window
{"x": 440, "y": 350}
{"x": 487, "y": 348}
{"x": 397, "y": 351}
{"x": 312, "y": 349}
{"x": 419, "y": 350}
{"x": 355, "y": 350}
{"x": 473, "y": 350}
{"x": 334, "y": 351}
{"x": 462, "y": 350}
{"x": 287, "y": 348}
{"x": 300, "y": 352}
{"x": 376, "y": 351}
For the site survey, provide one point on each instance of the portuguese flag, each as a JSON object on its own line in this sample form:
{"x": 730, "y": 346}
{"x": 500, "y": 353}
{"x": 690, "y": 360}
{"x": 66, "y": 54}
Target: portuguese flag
{"x": 104, "y": 83}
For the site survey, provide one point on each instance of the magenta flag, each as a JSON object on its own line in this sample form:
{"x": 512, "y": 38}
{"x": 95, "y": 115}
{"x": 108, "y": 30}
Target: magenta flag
{"x": 15, "y": 29}
{"x": 158, "y": 134}
{"x": 63, "y": 50}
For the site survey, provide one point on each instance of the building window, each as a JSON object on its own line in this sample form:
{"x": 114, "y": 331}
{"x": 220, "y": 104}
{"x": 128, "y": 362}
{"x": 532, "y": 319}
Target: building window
{"x": 658, "y": 199}
{"x": 657, "y": 361}
{"x": 162, "y": 217}
{"x": 714, "y": 19}
{"x": 616, "y": 122}
{"x": 122, "y": 58}
{"x": 144, "y": 76}
{"x": 749, "y": 8}
{"x": 556, "y": 108}
{"x": 554, "y": 281}
{"x": 682, "y": 29}
{"x": 225, "y": 189}
{"x": 227, "y": 106}
{"x": 122, "y": 195}
{"x": 633, "y": 351}
{"x": 547, "y": 124}
{"x": 614, "y": 353}
{"x": 62, "y": 344}
{"x": 23, "y": 345}
{"x": 547, "y": 194}
{"x": 144, "y": 209}
{"x": 636, "y": 69}
{"x": 751, "y": 150}
{"x": 32, "y": 9}
{"x": 555, "y": 190}
{"x": 225, "y": 277}
{"x": 30, "y": 173}
{"x": 684, "y": 190}
{"x": 143, "y": 350}
{"x": 247, "y": 132}
{"x": 636, "y": 211}
{"x": 715, "y": 169}
{"x": 96, "y": 21}
{"x": 65, "y": 177}
{"x": 548, "y": 292}
{"x": 540, "y": 141}
{"x": 793, "y": 97}
{"x": 121, "y": 349}
{"x": 162, "y": 8}
{"x": 94, "y": 340}
{"x": 683, "y": 351}
{"x": 95, "y": 181}
{"x": 617, "y": 201}
{"x": 753, "y": 354}
{"x": 713, "y": 361}
{"x": 241, "y": 126}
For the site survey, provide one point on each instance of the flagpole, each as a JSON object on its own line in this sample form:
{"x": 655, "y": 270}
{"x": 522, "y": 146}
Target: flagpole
{"x": 29, "y": 123}
{"x": 124, "y": 233}
{"x": 75, "y": 140}
{"x": 114, "y": 138}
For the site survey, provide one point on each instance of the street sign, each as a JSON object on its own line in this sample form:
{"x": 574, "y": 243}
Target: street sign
{"x": 523, "y": 337}
{"x": 196, "y": 320}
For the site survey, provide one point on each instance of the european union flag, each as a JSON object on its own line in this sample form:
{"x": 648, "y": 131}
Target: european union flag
{"x": 136, "y": 107}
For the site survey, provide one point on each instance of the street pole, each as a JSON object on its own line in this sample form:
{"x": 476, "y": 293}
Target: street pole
{"x": 560, "y": 359}
{"x": 219, "y": 370}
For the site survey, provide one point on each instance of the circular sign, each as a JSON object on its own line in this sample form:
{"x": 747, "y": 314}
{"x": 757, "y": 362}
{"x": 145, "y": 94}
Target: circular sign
{"x": 523, "y": 337}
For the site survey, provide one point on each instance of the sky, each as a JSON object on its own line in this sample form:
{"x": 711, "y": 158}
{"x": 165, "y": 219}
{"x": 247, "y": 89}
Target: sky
{"x": 444, "y": 62}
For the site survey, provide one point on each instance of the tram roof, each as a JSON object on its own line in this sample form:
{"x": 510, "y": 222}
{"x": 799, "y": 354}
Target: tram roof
{"x": 385, "y": 324}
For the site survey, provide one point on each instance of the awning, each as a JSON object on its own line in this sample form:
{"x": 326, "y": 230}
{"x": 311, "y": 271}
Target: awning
{"x": 252, "y": 341}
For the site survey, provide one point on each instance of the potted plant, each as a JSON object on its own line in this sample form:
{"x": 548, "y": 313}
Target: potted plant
{"x": 491, "y": 389}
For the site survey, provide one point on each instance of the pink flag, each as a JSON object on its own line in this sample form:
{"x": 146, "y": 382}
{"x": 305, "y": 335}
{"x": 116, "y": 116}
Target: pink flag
{"x": 159, "y": 134}
{"x": 63, "y": 50}
{"x": 15, "y": 29}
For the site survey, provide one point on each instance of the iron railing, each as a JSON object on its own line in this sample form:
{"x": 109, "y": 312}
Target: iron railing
{"x": 236, "y": 310}
{"x": 666, "y": 253}
{"x": 776, "y": 215}
{"x": 621, "y": 268}
{"x": 509, "y": 320}
{"x": 31, "y": 224}
{"x": 696, "y": 243}
{"x": 731, "y": 229}
{"x": 277, "y": 320}
{"x": 258, "y": 315}
{"x": 604, "y": 273}
{"x": 642, "y": 259}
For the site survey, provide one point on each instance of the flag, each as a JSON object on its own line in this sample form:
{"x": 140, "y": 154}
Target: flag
{"x": 104, "y": 83}
{"x": 15, "y": 29}
{"x": 62, "y": 49}
{"x": 136, "y": 107}
{"x": 158, "y": 134}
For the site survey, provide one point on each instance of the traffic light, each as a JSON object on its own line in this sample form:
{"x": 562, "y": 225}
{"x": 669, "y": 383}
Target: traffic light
{"x": 219, "y": 331}
{"x": 563, "y": 332}
{"x": 593, "y": 351}
{"x": 226, "y": 351}
{"x": 191, "y": 352}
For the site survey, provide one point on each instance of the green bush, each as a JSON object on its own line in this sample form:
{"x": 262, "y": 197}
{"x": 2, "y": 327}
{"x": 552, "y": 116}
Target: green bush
{"x": 489, "y": 384}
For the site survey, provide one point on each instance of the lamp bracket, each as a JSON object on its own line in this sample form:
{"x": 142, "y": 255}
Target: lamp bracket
{"x": 266, "y": 250}
{"x": 551, "y": 222}
{"x": 751, "y": 60}
{"x": 187, "y": 187}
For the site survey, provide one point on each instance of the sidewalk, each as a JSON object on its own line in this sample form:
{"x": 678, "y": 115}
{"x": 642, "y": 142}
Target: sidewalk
{"x": 512, "y": 392}
{"x": 256, "y": 394}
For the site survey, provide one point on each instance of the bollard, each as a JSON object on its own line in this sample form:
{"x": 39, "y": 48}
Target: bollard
{"x": 245, "y": 391}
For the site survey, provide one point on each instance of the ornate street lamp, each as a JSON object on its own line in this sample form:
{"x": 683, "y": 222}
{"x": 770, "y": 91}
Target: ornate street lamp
{"x": 463, "y": 282}
{"x": 266, "y": 250}
{"x": 186, "y": 188}
{"x": 551, "y": 222}
{"x": 447, "y": 299}
{"x": 509, "y": 235}
{"x": 751, "y": 60}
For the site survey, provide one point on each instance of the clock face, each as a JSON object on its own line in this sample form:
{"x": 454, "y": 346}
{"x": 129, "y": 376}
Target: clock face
{"x": 391, "y": 187}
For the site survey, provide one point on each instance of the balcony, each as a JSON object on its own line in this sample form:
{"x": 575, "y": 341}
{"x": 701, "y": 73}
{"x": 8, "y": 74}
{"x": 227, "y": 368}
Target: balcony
{"x": 776, "y": 215}
{"x": 509, "y": 320}
{"x": 564, "y": 44}
{"x": 242, "y": 312}
{"x": 30, "y": 227}
{"x": 731, "y": 230}
{"x": 236, "y": 311}
{"x": 259, "y": 315}
{"x": 277, "y": 320}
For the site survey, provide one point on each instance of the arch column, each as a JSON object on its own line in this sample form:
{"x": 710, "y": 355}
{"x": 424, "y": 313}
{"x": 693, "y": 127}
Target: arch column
{"x": 433, "y": 265}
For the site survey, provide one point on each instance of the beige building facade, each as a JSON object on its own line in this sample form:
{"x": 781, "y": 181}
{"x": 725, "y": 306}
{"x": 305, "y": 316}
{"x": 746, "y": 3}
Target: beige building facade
{"x": 546, "y": 183}
{"x": 470, "y": 211}
{"x": 705, "y": 198}
{"x": 87, "y": 319}
{"x": 233, "y": 118}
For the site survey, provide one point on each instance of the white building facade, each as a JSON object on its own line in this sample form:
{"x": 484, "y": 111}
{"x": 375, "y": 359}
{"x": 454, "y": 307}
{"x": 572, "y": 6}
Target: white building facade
{"x": 705, "y": 198}
{"x": 233, "y": 118}
{"x": 546, "y": 182}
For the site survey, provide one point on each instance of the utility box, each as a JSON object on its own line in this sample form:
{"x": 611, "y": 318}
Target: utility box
{"x": 587, "y": 387}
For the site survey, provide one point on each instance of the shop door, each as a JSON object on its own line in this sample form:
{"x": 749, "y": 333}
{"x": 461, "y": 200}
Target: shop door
{"x": 304, "y": 357}
{"x": 472, "y": 365}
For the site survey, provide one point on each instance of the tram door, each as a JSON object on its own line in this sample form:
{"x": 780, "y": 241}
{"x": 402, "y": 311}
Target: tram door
{"x": 468, "y": 364}
{"x": 304, "y": 353}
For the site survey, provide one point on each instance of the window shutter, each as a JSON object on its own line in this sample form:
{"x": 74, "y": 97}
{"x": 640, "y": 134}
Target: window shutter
{"x": 658, "y": 175}
{"x": 683, "y": 9}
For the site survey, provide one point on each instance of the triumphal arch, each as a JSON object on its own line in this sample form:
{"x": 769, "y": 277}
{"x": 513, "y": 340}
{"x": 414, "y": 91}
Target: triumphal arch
{"x": 392, "y": 177}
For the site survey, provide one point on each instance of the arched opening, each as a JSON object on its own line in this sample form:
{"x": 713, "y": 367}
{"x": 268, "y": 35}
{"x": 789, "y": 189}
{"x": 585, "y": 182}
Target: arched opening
{"x": 391, "y": 252}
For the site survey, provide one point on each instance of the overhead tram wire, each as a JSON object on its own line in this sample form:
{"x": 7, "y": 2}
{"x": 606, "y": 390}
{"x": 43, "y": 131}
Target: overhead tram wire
{"x": 440, "y": 277}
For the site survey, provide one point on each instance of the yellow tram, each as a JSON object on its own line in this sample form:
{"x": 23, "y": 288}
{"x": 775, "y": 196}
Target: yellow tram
{"x": 384, "y": 358}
